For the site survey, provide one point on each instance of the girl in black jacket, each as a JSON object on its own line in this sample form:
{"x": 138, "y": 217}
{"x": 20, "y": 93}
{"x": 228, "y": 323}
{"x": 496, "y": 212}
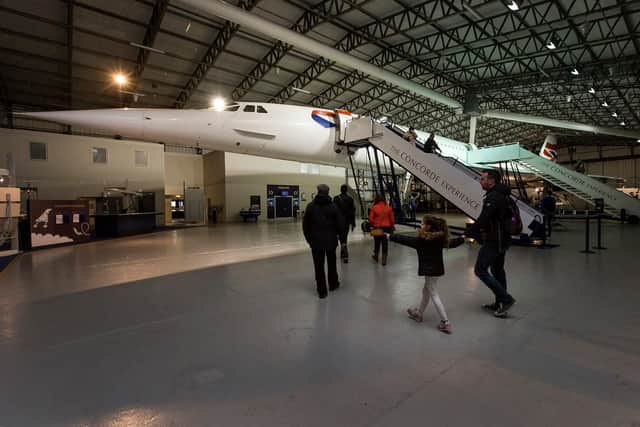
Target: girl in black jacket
{"x": 433, "y": 237}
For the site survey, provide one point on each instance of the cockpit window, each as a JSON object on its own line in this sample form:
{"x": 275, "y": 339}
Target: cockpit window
{"x": 249, "y": 109}
{"x": 231, "y": 108}
{"x": 261, "y": 109}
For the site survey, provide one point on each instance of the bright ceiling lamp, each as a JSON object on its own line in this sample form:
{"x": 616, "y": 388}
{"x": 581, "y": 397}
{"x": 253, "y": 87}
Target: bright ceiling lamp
{"x": 120, "y": 79}
{"x": 604, "y": 104}
{"x": 551, "y": 45}
{"x": 622, "y": 123}
{"x": 592, "y": 91}
{"x": 218, "y": 103}
{"x": 575, "y": 72}
{"x": 614, "y": 114}
{"x": 513, "y": 6}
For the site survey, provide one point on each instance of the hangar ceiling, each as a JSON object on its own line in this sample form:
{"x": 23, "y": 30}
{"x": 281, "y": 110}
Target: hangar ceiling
{"x": 575, "y": 60}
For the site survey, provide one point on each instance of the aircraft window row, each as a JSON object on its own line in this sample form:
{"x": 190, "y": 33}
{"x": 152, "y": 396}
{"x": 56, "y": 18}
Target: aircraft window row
{"x": 252, "y": 109}
{"x": 232, "y": 108}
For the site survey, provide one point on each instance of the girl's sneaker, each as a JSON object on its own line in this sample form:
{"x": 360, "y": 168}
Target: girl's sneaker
{"x": 414, "y": 315}
{"x": 444, "y": 327}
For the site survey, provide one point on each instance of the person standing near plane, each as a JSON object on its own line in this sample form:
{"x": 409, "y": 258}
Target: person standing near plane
{"x": 382, "y": 221}
{"x": 411, "y": 136}
{"x": 347, "y": 208}
{"x": 548, "y": 208}
{"x": 431, "y": 146}
{"x": 493, "y": 229}
{"x": 321, "y": 225}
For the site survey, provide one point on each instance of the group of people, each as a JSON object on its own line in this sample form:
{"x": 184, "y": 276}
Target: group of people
{"x": 429, "y": 146}
{"x": 327, "y": 222}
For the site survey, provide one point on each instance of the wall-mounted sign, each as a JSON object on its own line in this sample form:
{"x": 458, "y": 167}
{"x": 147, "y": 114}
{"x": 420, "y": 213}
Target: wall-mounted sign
{"x": 54, "y": 222}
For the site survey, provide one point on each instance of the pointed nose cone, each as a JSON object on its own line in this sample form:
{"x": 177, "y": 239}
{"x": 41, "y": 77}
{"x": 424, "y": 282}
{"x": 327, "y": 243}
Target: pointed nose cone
{"x": 124, "y": 122}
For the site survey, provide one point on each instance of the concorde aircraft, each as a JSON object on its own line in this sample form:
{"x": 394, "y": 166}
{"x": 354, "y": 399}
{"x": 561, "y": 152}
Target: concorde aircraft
{"x": 287, "y": 132}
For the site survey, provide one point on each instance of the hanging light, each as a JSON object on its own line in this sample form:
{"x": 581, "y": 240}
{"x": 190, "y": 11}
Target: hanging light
{"x": 614, "y": 114}
{"x": 513, "y": 6}
{"x": 592, "y": 91}
{"x": 218, "y": 103}
{"x": 551, "y": 45}
{"x": 604, "y": 104}
{"x": 575, "y": 72}
{"x": 622, "y": 123}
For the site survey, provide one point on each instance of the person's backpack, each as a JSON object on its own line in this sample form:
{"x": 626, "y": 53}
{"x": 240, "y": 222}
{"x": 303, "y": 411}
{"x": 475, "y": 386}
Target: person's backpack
{"x": 515, "y": 221}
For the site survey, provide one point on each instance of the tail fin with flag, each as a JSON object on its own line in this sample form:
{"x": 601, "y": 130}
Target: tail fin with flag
{"x": 549, "y": 149}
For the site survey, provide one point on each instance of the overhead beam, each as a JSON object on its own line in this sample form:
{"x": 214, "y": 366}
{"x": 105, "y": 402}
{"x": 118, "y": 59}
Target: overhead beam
{"x": 70, "y": 57}
{"x": 218, "y": 45}
{"x": 5, "y": 102}
{"x": 159, "y": 9}
{"x": 311, "y": 18}
{"x": 268, "y": 28}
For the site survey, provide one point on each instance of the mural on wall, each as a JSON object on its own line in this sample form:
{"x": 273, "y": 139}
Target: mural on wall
{"x": 55, "y": 222}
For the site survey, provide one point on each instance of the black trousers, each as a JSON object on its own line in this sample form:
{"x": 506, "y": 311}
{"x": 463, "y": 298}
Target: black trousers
{"x": 381, "y": 241}
{"x": 344, "y": 253}
{"x": 318, "y": 264}
{"x": 548, "y": 219}
{"x": 490, "y": 257}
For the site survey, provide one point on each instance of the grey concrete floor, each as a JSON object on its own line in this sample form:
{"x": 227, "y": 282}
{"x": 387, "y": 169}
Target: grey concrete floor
{"x": 220, "y": 326}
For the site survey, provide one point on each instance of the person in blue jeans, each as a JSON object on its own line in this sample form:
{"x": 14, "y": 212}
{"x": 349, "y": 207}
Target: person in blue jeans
{"x": 492, "y": 228}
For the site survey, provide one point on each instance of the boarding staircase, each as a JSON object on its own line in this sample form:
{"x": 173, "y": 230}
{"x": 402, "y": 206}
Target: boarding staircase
{"x": 616, "y": 203}
{"x": 449, "y": 177}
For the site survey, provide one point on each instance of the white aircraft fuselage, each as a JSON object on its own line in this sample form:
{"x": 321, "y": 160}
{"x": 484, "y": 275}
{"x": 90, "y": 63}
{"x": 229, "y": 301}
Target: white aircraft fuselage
{"x": 288, "y": 132}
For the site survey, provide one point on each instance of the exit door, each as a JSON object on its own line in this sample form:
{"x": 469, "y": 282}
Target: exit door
{"x": 284, "y": 207}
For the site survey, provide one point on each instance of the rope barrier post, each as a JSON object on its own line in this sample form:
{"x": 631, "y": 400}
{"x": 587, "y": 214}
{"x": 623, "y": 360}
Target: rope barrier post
{"x": 600, "y": 210}
{"x": 586, "y": 237}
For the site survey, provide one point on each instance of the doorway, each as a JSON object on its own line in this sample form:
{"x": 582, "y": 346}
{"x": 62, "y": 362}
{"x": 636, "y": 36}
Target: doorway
{"x": 284, "y": 207}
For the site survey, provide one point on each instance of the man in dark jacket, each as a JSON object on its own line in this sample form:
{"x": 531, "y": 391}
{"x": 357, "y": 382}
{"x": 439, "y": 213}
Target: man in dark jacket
{"x": 548, "y": 208}
{"x": 321, "y": 225}
{"x": 493, "y": 227}
{"x": 347, "y": 208}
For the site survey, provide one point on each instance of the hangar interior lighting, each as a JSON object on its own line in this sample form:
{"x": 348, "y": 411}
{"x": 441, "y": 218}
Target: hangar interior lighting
{"x": 604, "y": 104}
{"x": 120, "y": 79}
{"x": 575, "y": 72}
{"x": 622, "y": 123}
{"x": 592, "y": 91}
{"x": 149, "y": 48}
{"x": 218, "y": 103}
{"x": 551, "y": 45}
{"x": 297, "y": 89}
{"x": 614, "y": 114}
{"x": 513, "y": 6}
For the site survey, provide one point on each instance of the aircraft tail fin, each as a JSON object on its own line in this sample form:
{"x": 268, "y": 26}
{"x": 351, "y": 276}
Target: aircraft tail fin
{"x": 549, "y": 149}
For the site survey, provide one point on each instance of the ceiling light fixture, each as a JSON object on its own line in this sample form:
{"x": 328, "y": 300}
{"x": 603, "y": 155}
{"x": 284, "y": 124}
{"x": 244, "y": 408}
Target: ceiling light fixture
{"x": 513, "y": 6}
{"x": 551, "y": 45}
{"x": 623, "y": 123}
{"x": 614, "y": 114}
{"x": 120, "y": 79}
{"x": 592, "y": 91}
{"x": 575, "y": 72}
{"x": 300, "y": 90}
{"x": 149, "y": 48}
{"x": 218, "y": 103}
{"x": 604, "y": 104}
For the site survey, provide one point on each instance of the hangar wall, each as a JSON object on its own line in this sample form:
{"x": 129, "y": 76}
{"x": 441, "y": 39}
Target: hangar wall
{"x": 214, "y": 182}
{"x": 180, "y": 170}
{"x": 249, "y": 175}
{"x": 615, "y": 161}
{"x": 69, "y": 171}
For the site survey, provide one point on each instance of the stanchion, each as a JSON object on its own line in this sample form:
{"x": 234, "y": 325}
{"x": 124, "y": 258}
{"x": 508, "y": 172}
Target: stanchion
{"x": 586, "y": 237}
{"x": 600, "y": 247}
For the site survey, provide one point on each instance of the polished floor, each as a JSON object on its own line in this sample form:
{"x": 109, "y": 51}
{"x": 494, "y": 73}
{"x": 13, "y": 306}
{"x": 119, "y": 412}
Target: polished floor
{"x": 220, "y": 326}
